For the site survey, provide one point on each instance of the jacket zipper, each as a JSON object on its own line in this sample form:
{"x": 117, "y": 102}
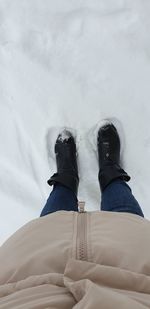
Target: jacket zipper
{"x": 82, "y": 233}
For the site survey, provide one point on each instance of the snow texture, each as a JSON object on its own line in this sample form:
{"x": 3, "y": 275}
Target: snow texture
{"x": 64, "y": 135}
{"x": 68, "y": 63}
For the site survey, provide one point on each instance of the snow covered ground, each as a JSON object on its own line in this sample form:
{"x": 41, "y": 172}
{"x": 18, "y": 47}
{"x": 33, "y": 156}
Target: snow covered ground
{"x": 70, "y": 63}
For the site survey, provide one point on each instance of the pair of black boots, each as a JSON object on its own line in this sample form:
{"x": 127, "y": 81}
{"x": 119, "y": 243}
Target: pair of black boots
{"x": 108, "y": 145}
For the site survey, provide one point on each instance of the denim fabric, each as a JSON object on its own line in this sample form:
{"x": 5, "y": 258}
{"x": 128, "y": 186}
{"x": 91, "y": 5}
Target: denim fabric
{"x": 117, "y": 197}
{"x": 61, "y": 198}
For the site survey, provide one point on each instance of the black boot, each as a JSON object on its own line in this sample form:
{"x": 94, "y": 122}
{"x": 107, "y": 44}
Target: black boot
{"x": 108, "y": 143}
{"x": 66, "y": 160}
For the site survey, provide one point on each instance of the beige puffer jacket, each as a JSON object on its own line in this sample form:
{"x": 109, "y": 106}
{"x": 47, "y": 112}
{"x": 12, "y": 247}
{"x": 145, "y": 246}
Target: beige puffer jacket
{"x": 77, "y": 260}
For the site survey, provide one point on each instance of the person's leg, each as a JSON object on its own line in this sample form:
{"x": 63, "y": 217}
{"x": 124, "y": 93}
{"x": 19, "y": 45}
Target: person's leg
{"x": 116, "y": 194}
{"x": 61, "y": 198}
{"x": 117, "y": 197}
{"x": 66, "y": 180}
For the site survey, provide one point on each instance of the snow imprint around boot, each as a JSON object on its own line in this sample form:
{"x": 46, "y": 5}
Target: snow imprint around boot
{"x": 52, "y": 136}
{"x": 93, "y": 133}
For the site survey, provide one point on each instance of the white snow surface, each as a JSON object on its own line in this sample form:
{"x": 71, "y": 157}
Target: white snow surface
{"x": 70, "y": 63}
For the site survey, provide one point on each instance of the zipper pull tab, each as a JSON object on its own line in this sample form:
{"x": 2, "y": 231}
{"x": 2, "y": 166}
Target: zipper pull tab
{"x": 81, "y": 206}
